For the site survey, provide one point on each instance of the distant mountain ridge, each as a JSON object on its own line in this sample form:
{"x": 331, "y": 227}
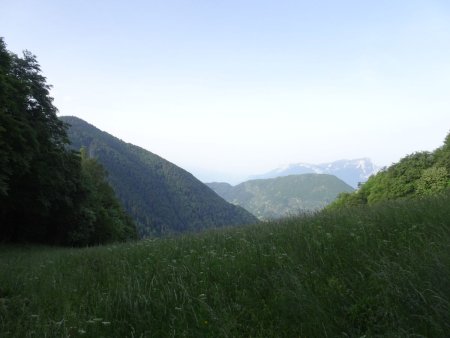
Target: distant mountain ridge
{"x": 283, "y": 196}
{"x": 351, "y": 172}
{"x": 158, "y": 195}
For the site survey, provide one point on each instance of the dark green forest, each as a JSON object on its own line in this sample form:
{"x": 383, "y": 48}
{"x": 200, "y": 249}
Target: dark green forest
{"x": 417, "y": 175}
{"x": 161, "y": 197}
{"x": 49, "y": 193}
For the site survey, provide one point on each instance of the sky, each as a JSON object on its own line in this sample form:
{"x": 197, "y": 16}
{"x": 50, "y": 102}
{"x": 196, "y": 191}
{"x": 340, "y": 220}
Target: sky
{"x": 231, "y": 89}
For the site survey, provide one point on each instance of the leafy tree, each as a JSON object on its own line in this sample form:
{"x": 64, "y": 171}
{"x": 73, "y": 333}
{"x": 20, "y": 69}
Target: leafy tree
{"x": 432, "y": 181}
{"x": 418, "y": 174}
{"x": 349, "y": 199}
{"x": 442, "y": 154}
{"x": 17, "y": 139}
{"x": 42, "y": 184}
{"x": 38, "y": 174}
{"x": 101, "y": 218}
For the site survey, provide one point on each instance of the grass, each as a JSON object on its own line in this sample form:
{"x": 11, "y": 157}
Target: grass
{"x": 379, "y": 271}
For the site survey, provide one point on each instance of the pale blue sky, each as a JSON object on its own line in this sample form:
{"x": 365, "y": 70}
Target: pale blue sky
{"x": 235, "y": 88}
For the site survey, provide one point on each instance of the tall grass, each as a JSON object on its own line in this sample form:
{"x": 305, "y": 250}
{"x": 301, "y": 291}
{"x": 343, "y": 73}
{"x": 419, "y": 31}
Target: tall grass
{"x": 379, "y": 271}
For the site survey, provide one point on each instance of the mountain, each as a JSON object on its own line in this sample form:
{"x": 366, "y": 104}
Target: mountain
{"x": 283, "y": 196}
{"x": 158, "y": 195}
{"x": 351, "y": 172}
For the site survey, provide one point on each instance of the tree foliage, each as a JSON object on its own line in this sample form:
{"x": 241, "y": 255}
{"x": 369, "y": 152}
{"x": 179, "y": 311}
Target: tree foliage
{"x": 102, "y": 217}
{"x": 432, "y": 181}
{"x": 42, "y": 184}
{"x": 416, "y": 175}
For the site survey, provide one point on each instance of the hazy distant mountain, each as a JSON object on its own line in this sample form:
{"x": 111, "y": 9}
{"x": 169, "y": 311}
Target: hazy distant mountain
{"x": 157, "y": 194}
{"x": 283, "y": 196}
{"x": 350, "y": 171}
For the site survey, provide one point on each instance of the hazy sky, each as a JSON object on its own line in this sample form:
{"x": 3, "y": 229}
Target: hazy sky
{"x": 235, "y": 88}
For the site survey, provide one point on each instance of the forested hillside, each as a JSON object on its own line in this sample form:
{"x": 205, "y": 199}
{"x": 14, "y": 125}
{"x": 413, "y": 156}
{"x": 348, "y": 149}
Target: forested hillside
{"x": 416, "y": 175}
{"x": 48, "y": 193}
{"x": 159, "y": 196}
{"x": 283, "y": 196}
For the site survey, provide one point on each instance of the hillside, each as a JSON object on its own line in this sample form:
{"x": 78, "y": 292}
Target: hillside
{"x": 158, "y": 195}
{"x": 381, "y": 271}
{"x": 416, "y": 175}
{"x": 283, "y": 196}
{"x": 351, "y": 172}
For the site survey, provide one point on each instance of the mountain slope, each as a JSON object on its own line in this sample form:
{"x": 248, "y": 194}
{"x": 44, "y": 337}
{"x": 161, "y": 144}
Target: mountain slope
{"x": 283, "y": 196}
{"x": 158, "y": 195}
{"x": 351, "y": 172}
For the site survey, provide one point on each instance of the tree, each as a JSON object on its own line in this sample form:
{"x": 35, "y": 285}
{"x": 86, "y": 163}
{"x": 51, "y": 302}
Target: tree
{"x": 42, "y": 184}
{"x": 18, "y": 142}
{"x": 432, "y": 181}
{"x": 418, "y": 174}
{"x": 38, "y": 174}
{"x": 100, "y": 218}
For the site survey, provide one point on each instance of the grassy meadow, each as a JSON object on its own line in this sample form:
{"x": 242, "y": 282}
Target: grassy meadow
{"x": 362, "y": 272}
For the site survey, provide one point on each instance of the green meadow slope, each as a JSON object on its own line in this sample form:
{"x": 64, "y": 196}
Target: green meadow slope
{"x": 380, "y": 271}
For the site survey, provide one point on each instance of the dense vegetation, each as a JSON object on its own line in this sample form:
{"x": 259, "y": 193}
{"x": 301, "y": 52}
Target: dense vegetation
{"x": 416, "y": 175}
{"x": 48, "y": 193}
{"x": 283, "y": 196}
{"x": 380, "y": 271}
{"x": 161, "y": 197}
{"x": 100, "y": 215}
